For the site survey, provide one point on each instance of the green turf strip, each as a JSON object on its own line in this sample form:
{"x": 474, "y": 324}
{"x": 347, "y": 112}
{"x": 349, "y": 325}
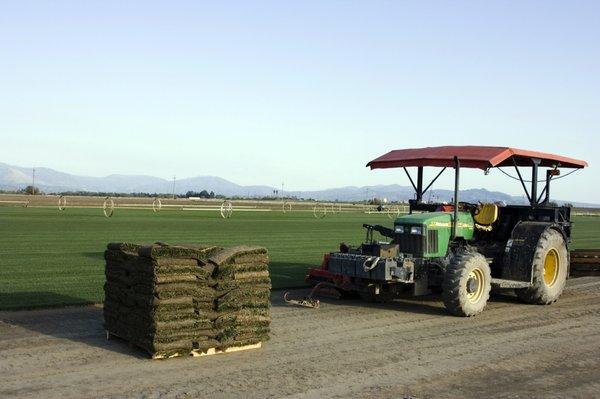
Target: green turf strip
{"x": 53, "y": 258}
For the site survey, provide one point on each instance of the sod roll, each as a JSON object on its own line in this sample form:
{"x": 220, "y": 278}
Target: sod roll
{"x": 243, "y": 287}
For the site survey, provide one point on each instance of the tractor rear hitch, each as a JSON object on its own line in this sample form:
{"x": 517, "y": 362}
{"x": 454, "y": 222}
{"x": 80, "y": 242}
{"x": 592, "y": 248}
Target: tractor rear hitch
{"x": 310, "y": 301}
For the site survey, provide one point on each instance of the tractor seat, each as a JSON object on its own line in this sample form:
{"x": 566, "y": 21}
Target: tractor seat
{"x": 485, "y": 216}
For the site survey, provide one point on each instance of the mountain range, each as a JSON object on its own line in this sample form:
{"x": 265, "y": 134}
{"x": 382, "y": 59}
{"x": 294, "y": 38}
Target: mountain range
{"x": 52, "y": 181}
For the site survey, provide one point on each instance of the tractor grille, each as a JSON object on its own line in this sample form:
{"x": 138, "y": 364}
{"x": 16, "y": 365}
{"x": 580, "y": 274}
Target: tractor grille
{"x": 411, "y": 243}
{"x": 432, "y": 241}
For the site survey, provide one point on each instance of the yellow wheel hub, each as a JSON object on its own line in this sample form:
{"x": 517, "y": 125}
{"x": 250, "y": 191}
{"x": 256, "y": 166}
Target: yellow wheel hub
{"x": 551, "y": 267}
{"x": 475, "y": 284}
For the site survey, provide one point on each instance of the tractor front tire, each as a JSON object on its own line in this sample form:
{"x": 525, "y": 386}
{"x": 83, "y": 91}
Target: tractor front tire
{"x": 467, "y": 284}
{"x": 550, "y": 268}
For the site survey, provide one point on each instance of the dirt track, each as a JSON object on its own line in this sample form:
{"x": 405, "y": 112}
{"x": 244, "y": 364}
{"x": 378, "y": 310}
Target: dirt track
{"x": 345, "y": 349}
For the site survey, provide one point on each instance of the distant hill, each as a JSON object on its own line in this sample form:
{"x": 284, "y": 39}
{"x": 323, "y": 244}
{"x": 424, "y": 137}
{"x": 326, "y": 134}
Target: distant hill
{"x": 49, "y": 180}
{"x": 52, "y": 181}
{"x": 395, "y": 192}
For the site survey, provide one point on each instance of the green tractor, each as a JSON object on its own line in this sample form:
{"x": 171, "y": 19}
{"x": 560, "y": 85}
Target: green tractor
{"x": 462, "y": 250}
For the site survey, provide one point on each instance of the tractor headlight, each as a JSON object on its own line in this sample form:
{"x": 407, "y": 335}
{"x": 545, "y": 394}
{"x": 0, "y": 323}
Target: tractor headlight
{"x": 399, "y": 229}
{"x": 416, "y": 230}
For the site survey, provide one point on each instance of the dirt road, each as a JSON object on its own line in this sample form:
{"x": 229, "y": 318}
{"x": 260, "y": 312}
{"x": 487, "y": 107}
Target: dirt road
{"x": 411, "y": 348}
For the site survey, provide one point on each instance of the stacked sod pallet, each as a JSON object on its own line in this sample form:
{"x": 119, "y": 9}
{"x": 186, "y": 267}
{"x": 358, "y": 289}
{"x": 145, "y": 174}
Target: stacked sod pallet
{"x": 161, "y": 297}
{"x": 243, "y": 286}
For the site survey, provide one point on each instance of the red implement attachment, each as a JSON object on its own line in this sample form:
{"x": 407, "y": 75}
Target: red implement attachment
{"x": 326, "y": 283}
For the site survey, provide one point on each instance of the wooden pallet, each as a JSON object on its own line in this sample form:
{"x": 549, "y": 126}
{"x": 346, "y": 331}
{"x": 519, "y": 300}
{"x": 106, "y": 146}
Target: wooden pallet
{"x": 211, "y": 351}
{"x": 194, "y": 352}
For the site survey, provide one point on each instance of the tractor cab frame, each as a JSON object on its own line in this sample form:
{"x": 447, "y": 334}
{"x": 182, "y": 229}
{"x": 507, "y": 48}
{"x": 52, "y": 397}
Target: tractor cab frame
{"x": 462, "y": 249}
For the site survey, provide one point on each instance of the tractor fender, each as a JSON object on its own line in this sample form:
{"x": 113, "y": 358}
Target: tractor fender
{"x": 520, "y": 249}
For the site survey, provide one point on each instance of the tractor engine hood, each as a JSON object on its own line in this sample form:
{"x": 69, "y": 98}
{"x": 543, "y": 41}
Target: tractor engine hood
{"x": 433, "y": 220}
{"x": 428, "y": 234}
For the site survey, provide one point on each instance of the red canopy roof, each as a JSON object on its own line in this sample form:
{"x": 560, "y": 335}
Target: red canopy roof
{"x": 481, "y": 157}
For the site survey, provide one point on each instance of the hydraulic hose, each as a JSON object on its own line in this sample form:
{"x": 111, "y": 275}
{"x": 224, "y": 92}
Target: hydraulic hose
{"x": 370, "y": 263}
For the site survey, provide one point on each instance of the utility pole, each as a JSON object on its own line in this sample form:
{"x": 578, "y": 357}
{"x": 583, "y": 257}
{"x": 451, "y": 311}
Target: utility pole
{"x": 33, "y": 182}
{"x": 173, "y": 187}
{"x": 282, "y": 190}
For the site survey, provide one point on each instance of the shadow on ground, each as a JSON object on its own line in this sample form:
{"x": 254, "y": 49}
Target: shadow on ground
{"x": 85, "y": 324}
{"x": 79, "y": 323}
{"x": 428, "y": 304}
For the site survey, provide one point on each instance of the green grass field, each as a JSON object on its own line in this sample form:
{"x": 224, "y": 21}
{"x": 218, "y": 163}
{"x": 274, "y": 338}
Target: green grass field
{"x": 52, "y": 258}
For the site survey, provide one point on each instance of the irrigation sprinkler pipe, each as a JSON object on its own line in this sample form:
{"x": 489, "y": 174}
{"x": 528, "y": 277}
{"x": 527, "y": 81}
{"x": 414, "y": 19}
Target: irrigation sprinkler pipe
{"x": 391, "y": 214}
{"x": 319, "y": 211}
{"x": 226, "y": 209}
{"x": 62, "y": 203}
{"x": 287, "y": 207}
{"x": 156, "y": 205}
{"x": 108, "y": 207}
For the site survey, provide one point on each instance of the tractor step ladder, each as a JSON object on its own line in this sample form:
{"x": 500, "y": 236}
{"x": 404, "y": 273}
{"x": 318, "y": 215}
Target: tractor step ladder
{"x": 502, "y": 283}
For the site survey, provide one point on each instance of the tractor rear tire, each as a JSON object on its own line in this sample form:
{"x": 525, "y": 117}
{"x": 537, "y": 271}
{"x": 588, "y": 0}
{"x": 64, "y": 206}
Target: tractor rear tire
{"x": 550, "y": 269}
{"x": 467, "y": 284}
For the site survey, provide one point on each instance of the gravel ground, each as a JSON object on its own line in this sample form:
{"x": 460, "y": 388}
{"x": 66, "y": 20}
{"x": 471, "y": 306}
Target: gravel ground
{"x": 410, "y": 348}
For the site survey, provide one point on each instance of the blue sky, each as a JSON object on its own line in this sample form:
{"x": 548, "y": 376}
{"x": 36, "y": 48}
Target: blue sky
{"x": 300, "y": 92}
